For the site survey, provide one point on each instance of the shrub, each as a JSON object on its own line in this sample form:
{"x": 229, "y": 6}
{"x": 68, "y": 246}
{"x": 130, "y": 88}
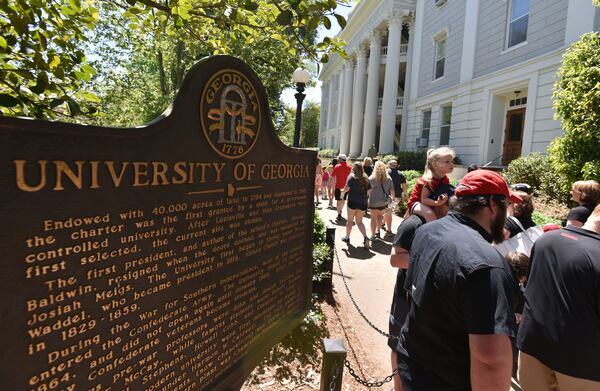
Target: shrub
{"x": 536, "y": 170}
{"x": 320, "y": 257}
{"x": 387, "y": 158}
{"x": 328, "y": 152}
{"x": 411, "y": 160}
{"x": 319, "y": 230}
{"x": 540, "y": 219}
{"x": 576, "y": 155}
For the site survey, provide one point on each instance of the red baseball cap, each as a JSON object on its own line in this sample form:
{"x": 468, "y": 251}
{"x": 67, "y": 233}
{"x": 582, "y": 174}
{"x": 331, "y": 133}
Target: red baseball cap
{"x": 485, "y": 182}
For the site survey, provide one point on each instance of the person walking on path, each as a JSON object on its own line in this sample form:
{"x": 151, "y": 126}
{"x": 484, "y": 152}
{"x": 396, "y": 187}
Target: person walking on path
{"x": 399, "y": 259}
{"x": 357, "y": 188}
{"x": 382, "y": 192}
{"x": 399, "y": 180}
{"x": 559, "y": 337}
{"x": 440, "y": 162}
{"x": 400, "y": 190}
{"x": 368, "y": 166}
{"x": 340, "y": 174}
{"x": 318, "y": 182}
{"x": 461, "y": 318}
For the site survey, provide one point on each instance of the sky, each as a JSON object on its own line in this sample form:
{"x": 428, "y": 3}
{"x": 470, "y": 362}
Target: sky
{"x": 313, "y": 94}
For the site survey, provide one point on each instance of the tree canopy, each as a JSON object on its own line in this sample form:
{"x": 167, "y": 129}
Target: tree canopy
{"x": 309, "y": 130}
{"x": 576, "y": 154}
{"x": 68, "y": 58}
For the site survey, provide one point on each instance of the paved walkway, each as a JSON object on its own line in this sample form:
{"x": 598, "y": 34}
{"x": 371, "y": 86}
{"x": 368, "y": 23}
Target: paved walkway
{"x": 371, "y": 280}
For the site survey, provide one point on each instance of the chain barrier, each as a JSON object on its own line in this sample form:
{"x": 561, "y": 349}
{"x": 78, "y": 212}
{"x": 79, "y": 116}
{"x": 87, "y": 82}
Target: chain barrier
{"x": 383, "y": 333}
{"x": 357, "y": 378}
{"x": 376, "y": 383}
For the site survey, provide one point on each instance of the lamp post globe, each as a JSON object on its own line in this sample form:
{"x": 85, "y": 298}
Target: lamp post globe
{"x": 301, "y": 77}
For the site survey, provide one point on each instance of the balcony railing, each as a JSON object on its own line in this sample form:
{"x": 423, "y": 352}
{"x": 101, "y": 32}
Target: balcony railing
{"x": 403, "y": 51}
{"x": 399, "y": 102}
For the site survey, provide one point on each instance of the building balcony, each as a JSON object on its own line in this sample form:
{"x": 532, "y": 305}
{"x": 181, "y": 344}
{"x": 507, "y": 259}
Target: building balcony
{"x": 403, "y": 52}
{"x": 399, "y": 102}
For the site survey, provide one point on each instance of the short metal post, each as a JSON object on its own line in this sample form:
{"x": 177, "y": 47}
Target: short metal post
{"x": 334, "y": 355}
{"x": 330, "y": 241}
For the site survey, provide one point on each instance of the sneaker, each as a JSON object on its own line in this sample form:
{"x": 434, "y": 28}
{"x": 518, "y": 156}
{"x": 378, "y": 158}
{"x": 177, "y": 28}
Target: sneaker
{"x": 339, "y": 217}
{"x": 366, "y": 242}
{"x": 346, "y": 239}
{"x": 372, "y": 238}
{"x": 378, "y": 233}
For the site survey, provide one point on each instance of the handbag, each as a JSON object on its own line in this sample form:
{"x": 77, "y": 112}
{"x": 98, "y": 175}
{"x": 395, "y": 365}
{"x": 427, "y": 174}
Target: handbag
{"x": 388, "y": 199}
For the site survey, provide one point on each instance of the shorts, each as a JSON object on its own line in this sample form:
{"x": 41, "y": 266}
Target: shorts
{"x": 353, "y": 205}
{"x": 413, "y": 207}
{"x": 338, "y": 194}
{"x": 378, "y": 207}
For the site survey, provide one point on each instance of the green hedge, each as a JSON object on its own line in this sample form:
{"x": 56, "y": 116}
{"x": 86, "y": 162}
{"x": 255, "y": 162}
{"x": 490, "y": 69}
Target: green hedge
{"x": 535, "y": 170}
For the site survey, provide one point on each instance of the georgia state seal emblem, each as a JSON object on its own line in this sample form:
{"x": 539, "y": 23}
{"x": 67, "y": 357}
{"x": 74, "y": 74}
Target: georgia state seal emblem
{"x": 230, "y": 113}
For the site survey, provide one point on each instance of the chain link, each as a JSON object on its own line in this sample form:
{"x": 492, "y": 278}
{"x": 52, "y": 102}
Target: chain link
{"x": 376, "y": 383}
{"x": 383, "y": 333}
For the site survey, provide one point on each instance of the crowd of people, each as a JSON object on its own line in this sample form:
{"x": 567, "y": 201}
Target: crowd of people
{"x": 464, "y": 314}
{"x": 364, "y": 187}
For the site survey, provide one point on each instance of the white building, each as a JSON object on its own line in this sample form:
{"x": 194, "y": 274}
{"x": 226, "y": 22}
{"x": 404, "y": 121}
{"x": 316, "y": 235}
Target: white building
{"x": 476, "y": 75}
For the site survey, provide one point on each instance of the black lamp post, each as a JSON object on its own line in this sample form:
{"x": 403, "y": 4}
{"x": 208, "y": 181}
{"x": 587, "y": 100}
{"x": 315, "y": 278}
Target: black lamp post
{"x": 301, "y": 77}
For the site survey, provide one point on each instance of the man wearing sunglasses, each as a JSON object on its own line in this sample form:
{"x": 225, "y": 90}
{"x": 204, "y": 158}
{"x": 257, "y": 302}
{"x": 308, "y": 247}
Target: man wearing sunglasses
{"x": 457, "y": 333}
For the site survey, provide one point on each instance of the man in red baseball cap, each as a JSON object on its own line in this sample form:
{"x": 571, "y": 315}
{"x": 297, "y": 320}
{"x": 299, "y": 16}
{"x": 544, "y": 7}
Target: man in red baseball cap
{"x": 461, "y": 318}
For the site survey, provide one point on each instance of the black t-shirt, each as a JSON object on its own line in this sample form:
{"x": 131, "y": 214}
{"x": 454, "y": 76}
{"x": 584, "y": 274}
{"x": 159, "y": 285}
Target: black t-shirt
{"x": 581, "y": 213}
{"x": 561, "y": 320}
{"x": 398, "y": 179}
{"x": 399, "y": 309}
{"x": 459, "y": 285}
{"x": 514, "y": 228}
{"x": 357, "y": 193}
{"x": 368, "y": 170}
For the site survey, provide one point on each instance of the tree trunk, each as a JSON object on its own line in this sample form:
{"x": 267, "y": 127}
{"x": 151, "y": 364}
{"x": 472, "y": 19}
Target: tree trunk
{"x": 179, "y": 67}
{"x": 164, "y": 86}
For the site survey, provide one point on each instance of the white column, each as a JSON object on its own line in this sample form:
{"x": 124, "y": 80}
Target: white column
{"x": 407, "y": 80}
{"x": 330, "y": 124}
{"x": 416, "y": 59}
{"x": 358, "y": 102}
{"x": 340, "y": 98}
{"x": 580, "y": 19}
{"x": 347, "y": 110}
{"x": 390, "y": 89}
{"x": 467, "y": 60}
{"x": 372, "y": 99}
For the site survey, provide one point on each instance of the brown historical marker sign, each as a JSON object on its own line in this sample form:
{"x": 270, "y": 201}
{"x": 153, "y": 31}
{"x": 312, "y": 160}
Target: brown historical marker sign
{"x": 166, "y": 257}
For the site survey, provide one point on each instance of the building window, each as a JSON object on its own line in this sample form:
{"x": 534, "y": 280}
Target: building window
{"x": 440, "y": 57}
{"x": 518, "y": 102}
{"x": 517, "y": 24}
{"x": 423, "y": 141}
{"x": 445, "y": 128}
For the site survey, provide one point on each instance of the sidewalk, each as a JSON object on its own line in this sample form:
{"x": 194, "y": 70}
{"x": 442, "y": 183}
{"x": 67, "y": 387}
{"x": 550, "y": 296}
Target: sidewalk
{"x": 371, "y": 280}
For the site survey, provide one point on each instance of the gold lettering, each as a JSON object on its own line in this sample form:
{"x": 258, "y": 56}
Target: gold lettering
{"x": 218, "y": 168}
{"x": 62, "y": 167}
{"x": 20, "y": 176}
{"x": 159, "y": 172}
{"x": 179, "y": 169}
{"x": 140, "y": 169}
{"x": 94, "y": 167}
{"x": 111, "y": 170}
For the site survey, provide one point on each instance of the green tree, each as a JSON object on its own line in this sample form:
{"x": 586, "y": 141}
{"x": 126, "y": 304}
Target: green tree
{"x": 309, "y": 129}
{"x": 576, "y": 154}
{"x": 42, "y": 67}
{"x": 44, "y": 46}
{"x": 309, "y": 135}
